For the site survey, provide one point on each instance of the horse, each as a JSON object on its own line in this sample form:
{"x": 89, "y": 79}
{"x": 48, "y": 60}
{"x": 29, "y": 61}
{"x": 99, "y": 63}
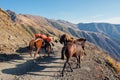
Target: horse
{"x": 38, "y": 44}
{"x": 72, "y": 49}
{"x": 64, "y": 39}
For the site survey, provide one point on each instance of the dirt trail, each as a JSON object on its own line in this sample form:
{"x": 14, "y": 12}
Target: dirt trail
{"x": 45, "y": 68}
{"x": 93, "y": 67}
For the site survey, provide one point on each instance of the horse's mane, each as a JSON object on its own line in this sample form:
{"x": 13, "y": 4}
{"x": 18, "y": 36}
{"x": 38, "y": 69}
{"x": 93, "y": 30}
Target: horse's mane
{"x": 81, "y": 39}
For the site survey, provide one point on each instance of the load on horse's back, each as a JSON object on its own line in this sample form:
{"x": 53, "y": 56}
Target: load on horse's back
{"x": 37, "y": 36}
{"x": 44, "y": 37}
{"x": 40, "y": 41}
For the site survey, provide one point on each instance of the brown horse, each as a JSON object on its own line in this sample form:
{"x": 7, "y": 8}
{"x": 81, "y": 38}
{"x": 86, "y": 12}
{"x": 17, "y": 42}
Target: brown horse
{"x": 64, "y": 39}
{"x": 38, "y": 44}
{"x": 72, "y": 49}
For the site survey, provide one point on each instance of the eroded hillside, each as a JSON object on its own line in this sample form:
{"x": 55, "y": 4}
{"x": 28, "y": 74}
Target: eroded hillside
{"x": 12, "y": 34}
{"x": 17, "y": 30}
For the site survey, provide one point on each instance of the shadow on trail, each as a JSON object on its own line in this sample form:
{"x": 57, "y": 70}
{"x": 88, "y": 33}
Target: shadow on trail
{"x": 30, "y": 67}
{"x": 9, "y": 57}
{"x": 22, "y": 49}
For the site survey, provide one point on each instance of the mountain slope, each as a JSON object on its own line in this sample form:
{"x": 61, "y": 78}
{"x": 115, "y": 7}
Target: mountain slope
{"x": 107, "y": 36}
{"x": 111, "y": 30}
{"x": 31, "y": 24}
{"x": 11, "y": 34}
{"x": 35, "y": 22}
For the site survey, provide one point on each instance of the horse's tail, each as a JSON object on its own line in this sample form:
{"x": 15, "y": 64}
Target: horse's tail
{"x": 31, "y": 44}
{"x": 29, "y": 47}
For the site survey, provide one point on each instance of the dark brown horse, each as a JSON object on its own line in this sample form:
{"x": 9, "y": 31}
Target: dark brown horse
{"x": 72, "y": 49}
{"x": 38, "y": 44}
{"x": 64, "y": 39}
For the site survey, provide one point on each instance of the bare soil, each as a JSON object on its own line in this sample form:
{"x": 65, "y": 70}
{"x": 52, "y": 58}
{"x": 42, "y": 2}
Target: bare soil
{"x": 93, "y": 67}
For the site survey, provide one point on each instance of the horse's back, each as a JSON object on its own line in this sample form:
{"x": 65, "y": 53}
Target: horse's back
{"x": 74, "y": 49}
{"x": 38, "y": 42}
{"x": 71, "y": 49}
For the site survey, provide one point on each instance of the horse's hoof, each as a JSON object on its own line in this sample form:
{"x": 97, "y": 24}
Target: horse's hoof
{"x": 72, "y": 70}
{"x": 62, "y": 58}
{"x": 62, "y": 75}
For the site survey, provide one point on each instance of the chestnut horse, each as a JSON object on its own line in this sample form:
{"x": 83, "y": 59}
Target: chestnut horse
{"x": 72, "y": 49}
{"x": 38, "y": 44}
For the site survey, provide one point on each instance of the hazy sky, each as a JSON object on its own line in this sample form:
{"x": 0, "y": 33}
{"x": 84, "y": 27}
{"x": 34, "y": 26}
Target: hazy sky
{"x": 74, "y": 11}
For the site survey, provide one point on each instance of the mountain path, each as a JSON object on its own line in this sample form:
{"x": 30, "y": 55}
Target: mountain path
{"x": 44, "y": 68}
{"x": 93, "y": 67}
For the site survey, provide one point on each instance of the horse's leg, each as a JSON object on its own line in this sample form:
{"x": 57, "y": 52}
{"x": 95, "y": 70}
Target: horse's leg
{"x": 48, "y": 48}
{"x": 83, "y": 47}
{"x": 77, "y": 63}
{"x": 63, "y": 52}
{"x": 70, "y": 67}
{"x": 37, "y": 50}
{"x": 30, "y": 53}
{"x": 69, "y": 64}
{"x": 79, "y": 60}
{"x": 64, "y": 68}
{"x": 49, "y": 51}
{"x": 30, "y": 50}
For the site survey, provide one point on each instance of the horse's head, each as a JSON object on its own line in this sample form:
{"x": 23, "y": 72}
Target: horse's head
{"x": 63, "y": 38}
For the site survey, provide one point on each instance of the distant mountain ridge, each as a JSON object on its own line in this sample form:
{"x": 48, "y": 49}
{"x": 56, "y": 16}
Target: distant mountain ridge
{"x": 111, "y": 30}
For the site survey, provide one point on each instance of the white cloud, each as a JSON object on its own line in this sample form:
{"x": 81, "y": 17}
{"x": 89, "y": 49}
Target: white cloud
{"x": 114, "y": 20}
{"x": 88, "y": 19}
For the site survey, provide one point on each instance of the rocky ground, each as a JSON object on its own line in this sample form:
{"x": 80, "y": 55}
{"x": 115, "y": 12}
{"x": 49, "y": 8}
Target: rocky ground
{"x": 93, "y": 67}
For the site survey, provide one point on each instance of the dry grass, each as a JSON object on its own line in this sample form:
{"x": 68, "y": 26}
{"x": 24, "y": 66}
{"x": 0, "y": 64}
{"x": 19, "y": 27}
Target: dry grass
{"x": 115, "y": 64}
